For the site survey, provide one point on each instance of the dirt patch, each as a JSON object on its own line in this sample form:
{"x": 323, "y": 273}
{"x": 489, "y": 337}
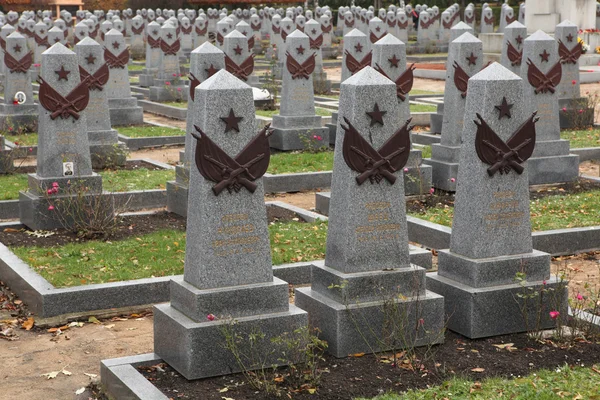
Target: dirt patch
{"x": 431, "y": 66}
{"x": 305, "y": 200}
{"x": 168, "y": 155}
{"x": 590, "y": 168}
{"x": 174, "y": 123}
{"x": 368, "y": 376}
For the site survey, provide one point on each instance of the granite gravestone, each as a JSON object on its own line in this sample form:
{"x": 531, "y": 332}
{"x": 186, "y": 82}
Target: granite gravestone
{"x": 356, "y": 53}
{"x": 541, "y": 71}
{"x": 224, "y": 27}
{"x": 63, "y": 156}
{"x": 168, "y": 85}
{"x": 81, "y": 31}
{"x": 391, "y": 22}
{"x": 104, "y": 144}
{"x": 56, "y": 35}
{"x": 244, "y": 28}
{"x": 327, "y": 50}
{"x": 205, "y": 61}
{"x": 389, "y": 59}
{"x": 186, "y": 35}
{"x": 239, "y": 61}
{"x": 124, "y": 109}
{"x": 446, "y": 25}
{"x": 138, "y": 49}
{"x": 153, "y": 54}
{"x": 469, "y": 17}
{"x": 297, "y": 121}
{"x": 491, "y": 232}
{"x": 105, "y": 27}
{"x": 404, "y": 24}
{"x": 315, "y": 37}
{"x": 465, "y": 59}
{"x": 17, "y": 110}
{"x": 6, "y": 30}
{"x": 275, "y": 39}
{"x": 367, "y": 254}
{"x": 426, "y": 32}
{"x": 512, "y": 47}
{"x": 228, "y": 269}
{"x": 487, "y": 20}
{"x": 348, "y": 23}
{"x": 377, "y": 30}
{"x": 40, "y": 39}
{"x": 570, "y": 50}
{"x": 200, "y": 33}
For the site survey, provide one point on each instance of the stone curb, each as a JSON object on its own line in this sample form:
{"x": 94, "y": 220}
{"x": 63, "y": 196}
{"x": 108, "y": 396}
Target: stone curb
{"x": 120, "y": 378}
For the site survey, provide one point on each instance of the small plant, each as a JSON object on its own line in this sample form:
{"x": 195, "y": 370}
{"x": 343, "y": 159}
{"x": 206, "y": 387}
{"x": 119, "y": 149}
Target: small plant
{"x": 271, "y": 84}
{"x": 175, "y": 88}
{"x": 313, "y": 143}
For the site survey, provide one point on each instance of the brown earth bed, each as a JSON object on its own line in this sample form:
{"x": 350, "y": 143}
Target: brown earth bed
{"x": 371, "y": 375}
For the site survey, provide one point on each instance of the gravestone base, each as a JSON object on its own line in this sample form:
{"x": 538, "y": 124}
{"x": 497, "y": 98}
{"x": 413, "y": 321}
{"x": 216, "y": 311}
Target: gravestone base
{"x": 147, "y": 77}
{"x": 6, "y": 161}
{"x": 491, "y": 311}
{"x": 197, "y": 349}
{"x": 328, "y": 53}
{"x": 321, "y": 84}
{"x": 289, "y": 130}
{"x": 177, "y": 191}
{"x": 436, "y": 120}
{"x": 20, "y": 115}
{"x": 159, "y": 91}
{"x": 332, "y": 128}
{"x": 33, "y": 205}
{"x": 278, "y": 70}
{"x": 575, "y": 111}
{"x": 554, "y": 169}
{"x": 105, "y": 149}
{"x": 444, "y": 164}
{"x": 357, "y": 327}
{"x": 125, "y": 112}
{"x": 417, "y": 178}
{"x": 270, "y": 53}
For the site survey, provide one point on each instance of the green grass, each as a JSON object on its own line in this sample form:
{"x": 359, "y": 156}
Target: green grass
{"x": 551, "y": 212}
{"x": 422, "y": 108}
{"x": 158, "y": 254}
{"x": 583, "y": 138}
{"x": 23, "y": 139}
{"x": 425, "y": 151}
{"x": 178, "y": 104}
{"x": 564, "y": 382}
{"x": 286, "y": 163}
{"x": 112, "y": 181}
{"x": 269, "y": 113}
{"x": 149, "y": 131}
{"x": 418, "y": 92}
{"x": 135, "y": 67}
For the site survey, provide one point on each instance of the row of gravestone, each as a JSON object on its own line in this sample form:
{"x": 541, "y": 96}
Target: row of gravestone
{"x": 106, "y": 73}
{"x": 228, "y": 278}
{"x": 550, "y": 71}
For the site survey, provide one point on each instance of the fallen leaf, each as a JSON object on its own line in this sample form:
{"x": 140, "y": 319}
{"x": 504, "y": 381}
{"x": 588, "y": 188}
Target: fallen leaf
{"x": 109, "y": 326}
{"x": 227, "y": 398}
{"x": 92, "y": 376}
{"x": 312, "y": 390}
{"x": 67, "y": 373}
{"x": 79, "y": 391}
{"x": 278, "y": 379}
{"x": 504, "y": 345}
{"x": 17, "y": 302}
{"x": 478, "y": 369}
{"x": 357, "y": 355}
{"x": 79, "y": 324}
{"x": 11, "y": 230}
{"x": 51, "y": 375}
{"x": 62, "y": 328}
{"x": 223, "y": 390}
{"x": 27, "y": 325}
{"x": 94, "y": 320}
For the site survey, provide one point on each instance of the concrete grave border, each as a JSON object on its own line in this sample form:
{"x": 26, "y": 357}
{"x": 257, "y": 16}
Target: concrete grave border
{"x": 47, "y": 301}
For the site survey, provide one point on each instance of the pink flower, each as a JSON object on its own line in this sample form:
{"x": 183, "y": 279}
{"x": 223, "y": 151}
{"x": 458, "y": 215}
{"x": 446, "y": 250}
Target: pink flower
{"x": 319, "y": 138}
{"x": 54, "y": 190}
{"x": 175, "y": 75}
{"x": 31, "y": 149}
{"x": 17, "y": 143}
{"x": 544, "y": 282}
{"x": 179, "y": 89}
{"x": 55, "y": 184}
{"x": 580, "y": 111}
{"x": 564, "y": 109}
{"x": 579, "y": 297}
{"x": 452, "y": 180}
{"x": 168, "y": 83}
{"x": 49, "y": 191}
{"x": 573, "y": 82}
{"x": 405, "y": 169}
{"x": 210, "y": 317}
{"x": 554, "y": 314}
{"x": 421, "y": 322}
{"x": 431, "y": 190}
{"x": 51, "y": 207}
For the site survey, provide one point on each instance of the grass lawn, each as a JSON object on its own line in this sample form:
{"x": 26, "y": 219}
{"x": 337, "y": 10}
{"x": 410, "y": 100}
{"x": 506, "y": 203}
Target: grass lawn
{"x": 551, "y": 212}
{"x": 269, "y": 113}
{"x": 564, "y": 382}
{"x": 422, "y": 108}
{"x": 286, "y": 163}
{"x": 112, "y": 181}
{"x": 149, "y": 131}
{"x": 23, "y": 139}
{"x": 415, "y": 92}
{"x": 425, "y": 151}
{"x": 585, "y": 138}
{"x": 135, "y": 67}
{"x": 158, "y": 254}
{"x": 178, "y": 104}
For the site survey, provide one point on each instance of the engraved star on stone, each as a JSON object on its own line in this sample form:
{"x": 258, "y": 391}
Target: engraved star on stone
{"x": 56, "y": 40}
{"x": 211, "y": 70}
{"x": 224, "y": 30}
{"x": 116, "y": 45}
{"x": 90, "y": 59}
{"x": 570, "y": 37}
{"x": 472, "y": 59}
{"x": 378, "y": 28}
{"x": 394, "y": 61}
{"x": 376, "y": 115}
{"x": 169, "y": 35}
{"x": 504, "y": 108}
{"x": 231, "y": 121}
{"x": 244, "y": 33}
{"x": 358, "y": 48}
{"x": 314, "y": 31}
{"x": 238, "y": 50}
{"x": 300, "y": 50}
{"x": 42, "y": 32}
{"x": 287, "y": 28}
{"x": 17, "y": 48}
{"x": 545, "y": 55}
{"x": 155, "y": 32}
{"x": 62, "y": 73}
{"x": 519, "y": 39}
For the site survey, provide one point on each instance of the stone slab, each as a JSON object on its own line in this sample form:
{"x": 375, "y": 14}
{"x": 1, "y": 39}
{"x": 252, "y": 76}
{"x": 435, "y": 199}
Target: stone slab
{"x": 289, "y": 139}
{"x": 543, "y": 170}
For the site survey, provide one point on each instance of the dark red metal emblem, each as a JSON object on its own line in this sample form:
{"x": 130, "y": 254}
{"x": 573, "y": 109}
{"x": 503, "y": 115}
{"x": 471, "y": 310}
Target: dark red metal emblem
{"x": 21, "y": 65}
{"x": 193, "y": 83}
{"x": 220, "y": 38}
{"x": 569, "y": 56}
{"x": 404, "y": 83}
{"x": 241, "y": 71}
{"x": 300, "y": 70}
{"x": 153, "y": 43}
{"x": 461, "y": 78}
{"x": 170, "y": 50}
{"x": 233, "y": 173}
{"x": 276, "y": 29}
{"x": 137, "y": 31}
{"x": 71, "y": 105}
{"x": 372, "y": 164}
{"x": 402, "y": 25}
{"x": 203, "y": 31}
{"x": 514, "y": 56}
{"x": 354, "y": 65}
{"x": 501, "y": 156}
{"x": 489, "y": 21}
{"x": 97, "y": 80}
{"x": 186, "y": 31}
{"x": 326, "y": 29}
{"x": 256, "y": 27}
{"x": 41, "y": 41}
{"x": 373, "y": 37}
{"x": 119, "y": 61}
{"x": 544, "y": 83}
{"x": 427, "y": 24}
{"x": 251, "y": 43}
{"x": 316, "y": 43}
{"x": 509, "y": 20}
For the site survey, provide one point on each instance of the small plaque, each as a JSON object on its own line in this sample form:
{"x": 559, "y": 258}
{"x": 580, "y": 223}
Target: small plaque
{"x": 20, "y": 97}
{"x": 68, "y": 168}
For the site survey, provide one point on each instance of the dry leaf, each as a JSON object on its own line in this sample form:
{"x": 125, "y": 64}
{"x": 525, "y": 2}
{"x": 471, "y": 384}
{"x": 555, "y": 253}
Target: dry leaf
{"x": 109, "y": 326}
{"x": 278, "y": 379}
{"x": 17, "y": 302}
{"x": 11, "y": 230}
{"x": 503, "y": 346}
{"x": 79, "y": 391}
{"x": 312, "y": 390}
{"x": 94, "y": 320}
{"x": 478, "y": 369}
{"x": 51, "y": 375}
{"x": 68, "y": 373}
{"x": 92, "y": 376}
{"x": 357, "y": 355}
{"x": 223, "y": 390}
{"x": 27, "y": 325}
